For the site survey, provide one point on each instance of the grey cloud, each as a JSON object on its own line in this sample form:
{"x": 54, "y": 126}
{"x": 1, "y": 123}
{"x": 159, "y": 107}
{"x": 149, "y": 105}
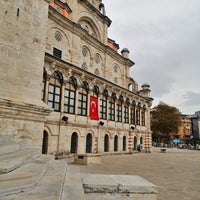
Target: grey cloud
{"x": 163, "y": 39}
{"x": 192, "y": 98}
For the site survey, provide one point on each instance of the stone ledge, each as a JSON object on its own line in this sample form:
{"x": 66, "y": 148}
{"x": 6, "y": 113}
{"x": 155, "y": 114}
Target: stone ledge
{"x": 116, "y": 186}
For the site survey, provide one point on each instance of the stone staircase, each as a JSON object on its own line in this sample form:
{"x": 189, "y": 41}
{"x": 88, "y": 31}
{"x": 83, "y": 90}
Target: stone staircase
{"x": 21, "y": 166}
{"x": 26, "y": 174}
{"x": 15, "y": 153}
{"x": 25, "y": 177}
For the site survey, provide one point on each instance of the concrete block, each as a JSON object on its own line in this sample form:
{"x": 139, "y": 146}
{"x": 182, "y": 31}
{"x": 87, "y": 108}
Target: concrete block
{"x": 85, "y": 159}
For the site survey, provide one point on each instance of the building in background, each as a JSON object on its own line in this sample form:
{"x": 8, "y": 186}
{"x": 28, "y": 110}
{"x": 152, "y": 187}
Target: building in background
{"x": 185, "y": 129}
{"x": 64, "y": 85}
{"x": 189, "y": 131}
{"x": 196, "y": 126}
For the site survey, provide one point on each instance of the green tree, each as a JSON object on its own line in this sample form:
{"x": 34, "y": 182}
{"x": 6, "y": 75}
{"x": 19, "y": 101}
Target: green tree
{"x": 165, "y": 121}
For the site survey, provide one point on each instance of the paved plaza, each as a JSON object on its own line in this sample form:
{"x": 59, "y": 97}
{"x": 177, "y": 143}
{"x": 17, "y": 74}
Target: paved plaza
{"x": 176, "y": 173}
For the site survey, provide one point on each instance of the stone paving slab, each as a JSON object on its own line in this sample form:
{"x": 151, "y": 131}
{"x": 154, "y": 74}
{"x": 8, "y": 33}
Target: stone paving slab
{"x": 127, "y": 184}
{"x": 73, "y": 188}
{"x": 99, "y": 183}
{"x": 134, "y": 184}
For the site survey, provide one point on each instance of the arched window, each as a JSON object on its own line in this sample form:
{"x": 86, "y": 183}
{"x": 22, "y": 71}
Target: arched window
{"x": 126, "y": 110}
{"x": 138, "y": 114}
{"x": 70, "y": 96}
{"x": 141, "y": 140}
{"x": 143, "y": 115}
{"x": 83, "y": 99}
{"x": 114, "y": 96}
{"x": 84, "y": 66}
{"x": 106, "y": 143}
{"x": 74, "y": 143}
{"x": 58, "y": 36}
{"x": 135, "y": 143}
{"x": 73, "y": 81}
{"x": 133, "y": 112}
{"x": 54, "y": 92}
{"x": 111, "y": 106}
{"x": 97, "y": 59}
{"x": 103, "y": 104}
{"x": 85, "y": 85}
{"x": 84, "y": 52}
{"x": 45, "y": 142}
{"x": 105, "y": 92}
{"x": 119, "y": 111}
{"x": 119, "y": 108}
{"x": 116, "y": 143}
{"x": 89, "y": 143}
{"x": 96, "y": 89}
{"x": 124, "y": 143}
{"x": 85, "y": 58}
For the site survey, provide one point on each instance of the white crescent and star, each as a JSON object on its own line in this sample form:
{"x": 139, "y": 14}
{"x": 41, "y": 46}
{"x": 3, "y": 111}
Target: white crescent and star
{"x": 93, "y": 105}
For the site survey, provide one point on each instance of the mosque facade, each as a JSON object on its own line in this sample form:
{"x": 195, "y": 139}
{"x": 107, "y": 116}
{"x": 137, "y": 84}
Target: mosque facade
{"x": 64, "y": 85}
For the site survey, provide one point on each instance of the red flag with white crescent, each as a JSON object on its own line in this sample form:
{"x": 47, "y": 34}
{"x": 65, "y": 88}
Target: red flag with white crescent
{"x": 94, "y": 108}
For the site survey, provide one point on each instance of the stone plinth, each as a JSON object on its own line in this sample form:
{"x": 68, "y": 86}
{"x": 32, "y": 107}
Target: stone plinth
{"x": 118, "y": 187}
{"x": 85, "y": 159}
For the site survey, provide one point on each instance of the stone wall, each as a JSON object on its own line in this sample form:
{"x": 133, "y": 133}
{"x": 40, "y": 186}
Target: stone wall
{"x": 22, "y": 36}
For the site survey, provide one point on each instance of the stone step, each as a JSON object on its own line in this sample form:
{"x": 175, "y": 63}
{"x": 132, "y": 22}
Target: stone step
{"x": 24, "y": 178}
{"x": 49, "y": 187}
{"x": 13, "y": 147}
{"x": 73, "y": 188}
{"x": 11, "y": 161}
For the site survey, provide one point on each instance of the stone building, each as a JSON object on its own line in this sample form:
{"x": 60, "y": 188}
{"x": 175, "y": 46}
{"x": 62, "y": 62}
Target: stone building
{"x": 64, "y": 86}
{"x": 185, "y": 128}
{"x": 196, "y": 126}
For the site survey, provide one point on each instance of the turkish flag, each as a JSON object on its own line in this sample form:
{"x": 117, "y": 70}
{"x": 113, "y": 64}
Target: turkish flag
{"x": 94, "y": 108}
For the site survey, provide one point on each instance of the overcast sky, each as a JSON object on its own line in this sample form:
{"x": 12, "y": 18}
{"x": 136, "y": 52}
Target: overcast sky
{"x": 163, "y": 37}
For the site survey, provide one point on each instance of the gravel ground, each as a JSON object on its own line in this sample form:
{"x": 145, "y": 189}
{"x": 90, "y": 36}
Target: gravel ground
{"x": 176, "y": 173}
